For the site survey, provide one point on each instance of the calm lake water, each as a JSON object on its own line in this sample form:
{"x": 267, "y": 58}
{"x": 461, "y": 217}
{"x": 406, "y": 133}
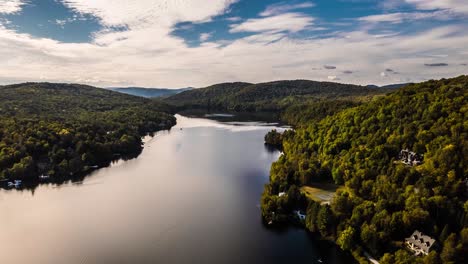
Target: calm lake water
{"x": 192, "y": 196}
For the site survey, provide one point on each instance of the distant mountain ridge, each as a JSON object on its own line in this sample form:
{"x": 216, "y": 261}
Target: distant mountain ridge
{"x": 149, "y": 92}
{"x": 240, "y": 96}
{"x": 390, "y": 86}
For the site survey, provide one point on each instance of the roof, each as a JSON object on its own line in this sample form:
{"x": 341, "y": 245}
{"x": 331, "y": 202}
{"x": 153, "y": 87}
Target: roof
{"x": 421, "y": 241}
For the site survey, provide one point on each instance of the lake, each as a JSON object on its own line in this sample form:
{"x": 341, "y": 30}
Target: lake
{"x": 192, "y": 196}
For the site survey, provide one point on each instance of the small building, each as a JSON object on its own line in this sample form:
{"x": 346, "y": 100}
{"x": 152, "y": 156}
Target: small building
{"x": 410, "y": 158}
{"x": 281, "y": 194}
{"x": 419, "y": 243}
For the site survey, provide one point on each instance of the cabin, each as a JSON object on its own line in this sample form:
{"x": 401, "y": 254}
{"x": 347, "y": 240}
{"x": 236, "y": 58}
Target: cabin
{"x": 419, "y": 243}
{"x": 410, "y": 158}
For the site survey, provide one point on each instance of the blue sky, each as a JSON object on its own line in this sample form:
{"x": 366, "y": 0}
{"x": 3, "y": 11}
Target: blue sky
{"x": 168, "y": 43}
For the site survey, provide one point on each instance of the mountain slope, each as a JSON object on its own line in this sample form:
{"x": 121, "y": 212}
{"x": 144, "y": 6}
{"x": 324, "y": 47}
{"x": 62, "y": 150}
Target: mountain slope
{"x": 272, "y": 96}
{"x": 64, "y": 129}
{"x": 149, "y": 92}
{"x": 382, "y": 200}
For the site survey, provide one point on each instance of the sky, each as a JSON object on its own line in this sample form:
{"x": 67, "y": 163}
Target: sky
{"x": 182, "y": 43}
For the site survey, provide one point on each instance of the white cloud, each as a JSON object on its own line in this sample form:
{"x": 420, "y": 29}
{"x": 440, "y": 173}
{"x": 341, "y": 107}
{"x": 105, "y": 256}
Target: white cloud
{"x": 291, "y": 22}
{"x": 254, "y": 59}
{"x": 281, "y": 8}
{"x": 205, "y": 36}
{"x": 146, "y": 54}
{"x": 454, "y": 7}
{"x": 458, "y": 6}
{"x": 146, "y": 13}
{"x": 234, "y": 19}
{"x": 11, "y": 6}
{"x": 400, "y": 17}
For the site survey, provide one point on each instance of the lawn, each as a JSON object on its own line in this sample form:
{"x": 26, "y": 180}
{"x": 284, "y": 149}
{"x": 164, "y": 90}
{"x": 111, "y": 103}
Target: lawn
{"x": 321, "y": 192}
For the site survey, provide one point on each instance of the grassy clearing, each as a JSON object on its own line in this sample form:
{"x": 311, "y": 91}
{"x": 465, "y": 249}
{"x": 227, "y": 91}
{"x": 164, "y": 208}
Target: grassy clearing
{"x": 321, "y": 192}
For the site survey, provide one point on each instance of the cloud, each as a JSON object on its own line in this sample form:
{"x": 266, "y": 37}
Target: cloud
{"x": 348, "y": 72}
{"x": 397, "y": 18}
{"x": 145, "y": 53}
{"x": 205, "y": 36}
{"x": 451, "y": 7}
{"x": 436, "y": 64}
{"x": 391, "y": 4}
{"x": 234, "y": 19}
{"x": 280, "y": 8}
{"x": 329, "y": 67}
{"x": 456, "y": 6}
{"x": 290, "y": 22}
{"x": 11, "y": 6}
{"x": 149, "y": 13}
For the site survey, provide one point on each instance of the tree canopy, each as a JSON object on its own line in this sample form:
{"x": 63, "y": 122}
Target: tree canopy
{"x": 383, "y": 200}
{"x": 61, "y": 130}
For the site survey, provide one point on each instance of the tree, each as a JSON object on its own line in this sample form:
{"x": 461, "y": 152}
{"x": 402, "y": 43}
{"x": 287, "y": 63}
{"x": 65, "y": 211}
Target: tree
{"x": 449, "y": 251}
{"x": 324, "y": 219}
{"x": 346, "y": 239}
{"x": 432, "y": 258}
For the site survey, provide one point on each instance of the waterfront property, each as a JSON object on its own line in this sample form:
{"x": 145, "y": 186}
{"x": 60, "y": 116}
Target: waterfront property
{"x": 410, "y": 158}
{"x": 419, "y": 243}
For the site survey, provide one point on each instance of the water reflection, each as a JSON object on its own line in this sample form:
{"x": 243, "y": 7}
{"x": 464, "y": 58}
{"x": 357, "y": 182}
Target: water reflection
{"x": 192, "y": 196}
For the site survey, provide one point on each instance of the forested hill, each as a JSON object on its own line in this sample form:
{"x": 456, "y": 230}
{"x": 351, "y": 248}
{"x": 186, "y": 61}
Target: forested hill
{"x": 60, "y": 130}
{"x": 382, "y": 200}
{"x": 271, "y": 96}
{"x": 55, "y": 100}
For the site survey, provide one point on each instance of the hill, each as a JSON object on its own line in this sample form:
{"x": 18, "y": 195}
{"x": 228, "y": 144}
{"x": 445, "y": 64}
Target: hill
{"x": 294, "y": 102}
{"x": 271, "y": 96}
{"x": 149, "y": 92}
{"x": 61, "y": 130}
{"x": 384, "y": 196}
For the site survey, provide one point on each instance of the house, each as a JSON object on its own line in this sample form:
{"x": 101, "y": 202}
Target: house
{"x": 281, "y": 194}
{"x": 419, "y": 243}
{"x": 410, "y": 158}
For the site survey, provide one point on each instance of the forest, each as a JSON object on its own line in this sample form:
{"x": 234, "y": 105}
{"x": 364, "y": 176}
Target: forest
{"x": 381, "y": 200}
{"x": 283, "y": 98}
{"x": 58, "y": 131}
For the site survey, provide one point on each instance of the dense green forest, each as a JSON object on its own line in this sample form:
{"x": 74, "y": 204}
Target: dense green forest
{"x": 281, "y": 97}
{"x": 380, "y": 200}
{"x": 62, "y": 130}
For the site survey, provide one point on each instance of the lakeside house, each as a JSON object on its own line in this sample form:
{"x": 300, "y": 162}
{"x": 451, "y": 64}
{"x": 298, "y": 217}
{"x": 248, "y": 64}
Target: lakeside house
{"x": 419, "y": 243}
{"x": 410, "y": 158}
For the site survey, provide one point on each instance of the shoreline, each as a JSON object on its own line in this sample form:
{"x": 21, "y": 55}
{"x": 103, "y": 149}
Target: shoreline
{"x": 31, "y": 184}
